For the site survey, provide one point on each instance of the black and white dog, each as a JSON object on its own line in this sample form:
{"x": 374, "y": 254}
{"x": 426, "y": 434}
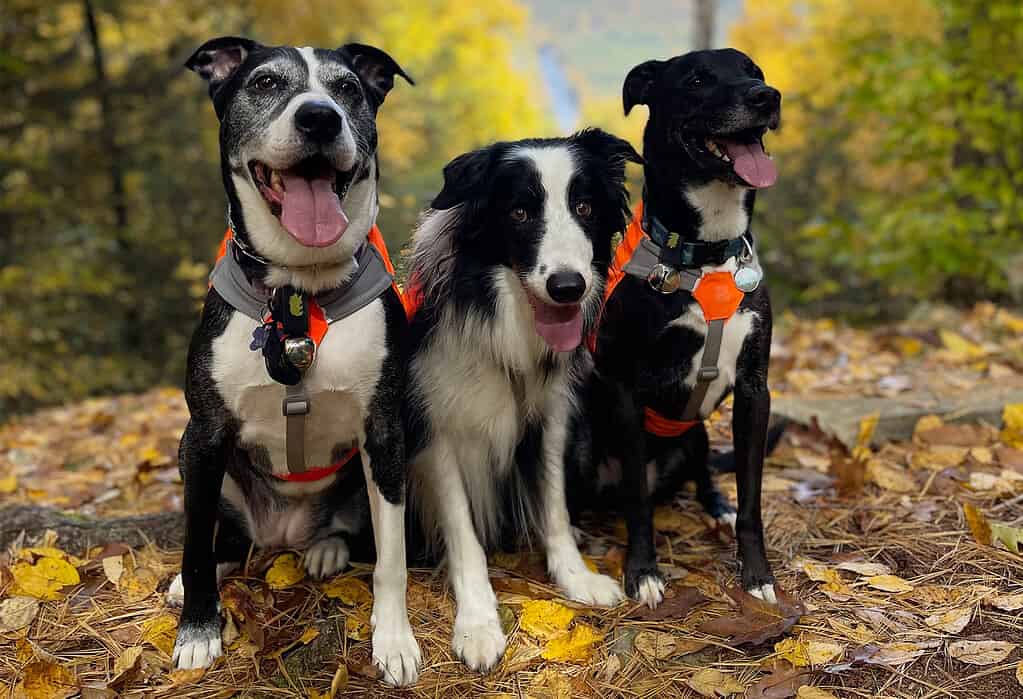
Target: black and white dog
{"x": 298, "y": 148}
{"x": 508, "y": 270}
{"x": 704, "y": 159}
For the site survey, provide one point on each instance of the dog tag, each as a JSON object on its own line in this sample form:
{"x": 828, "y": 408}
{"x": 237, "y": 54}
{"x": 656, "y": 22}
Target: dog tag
{"x": 747, "y": 279}
{"x": 300, "y": 351}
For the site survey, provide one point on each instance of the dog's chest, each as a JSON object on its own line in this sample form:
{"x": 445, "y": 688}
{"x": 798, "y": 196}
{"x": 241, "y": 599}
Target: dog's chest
{"x": 340, "y": 385}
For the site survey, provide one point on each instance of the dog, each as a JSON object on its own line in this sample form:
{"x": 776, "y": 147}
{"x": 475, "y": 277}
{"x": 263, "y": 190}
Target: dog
{"x": 673, "y": 304}
{"x": 506, "y": 276}
{"x": 298, "y": 151}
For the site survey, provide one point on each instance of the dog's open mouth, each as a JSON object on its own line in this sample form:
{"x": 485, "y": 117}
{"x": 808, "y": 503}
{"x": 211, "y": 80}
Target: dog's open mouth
{"x": 306, "y": 198}
{"x": 560, "y": 325}
{"x": 744, "y": 152}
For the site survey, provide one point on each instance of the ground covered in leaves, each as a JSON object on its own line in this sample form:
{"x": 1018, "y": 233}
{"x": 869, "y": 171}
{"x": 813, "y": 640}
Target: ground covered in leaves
{"x": 900, "y": 560}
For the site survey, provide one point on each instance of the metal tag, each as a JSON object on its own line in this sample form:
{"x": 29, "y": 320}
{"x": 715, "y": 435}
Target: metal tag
{"x": 300, "y": 351}
{"x": 664, "y": 279}
{"x": 747, "y": 279}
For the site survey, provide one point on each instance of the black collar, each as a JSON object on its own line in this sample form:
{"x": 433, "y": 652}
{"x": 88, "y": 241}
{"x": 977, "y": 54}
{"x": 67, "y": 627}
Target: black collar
{"x": 679, "y": 253}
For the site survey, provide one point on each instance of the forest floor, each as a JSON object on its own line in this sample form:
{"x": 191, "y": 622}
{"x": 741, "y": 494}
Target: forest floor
{"x": 900, "y": 555}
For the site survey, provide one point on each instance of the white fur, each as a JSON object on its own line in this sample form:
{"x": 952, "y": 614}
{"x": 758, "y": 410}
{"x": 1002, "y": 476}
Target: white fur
{"x": 176, "y": 592}
{"x": 721, "y": 207}
{"x": 197, "y": 647}
{"x": 765, "y": 593}
{"x": 326, "y": 557}
{"x": 564, "y": 246}
{"x": 650, "y": 591}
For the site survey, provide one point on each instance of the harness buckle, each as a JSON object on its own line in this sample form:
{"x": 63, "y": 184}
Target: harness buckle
{"x": 664, "y": 279}
{"x": 707, "y": 373}
{"x": 295, "y": 405}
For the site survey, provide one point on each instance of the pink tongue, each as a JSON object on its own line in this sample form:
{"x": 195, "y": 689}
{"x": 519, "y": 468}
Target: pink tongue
{"x": 751, "y": 163}
{"x": 561, "y": 327}
{"x": 311, "y": 211}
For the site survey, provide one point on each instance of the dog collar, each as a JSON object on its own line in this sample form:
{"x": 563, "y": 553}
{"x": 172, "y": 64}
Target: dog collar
{"x": 679, "y": 253}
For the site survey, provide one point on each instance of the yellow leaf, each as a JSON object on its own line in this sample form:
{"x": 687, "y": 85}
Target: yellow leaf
{"x": 160, "y": 632}
{"x": 125, "y": 663}
{"x": 864, "y": 568}
{"x": 926, "y": 424}
{"x": 138, "y": 584}
{"x": 8, "y": 484}
{"x": 959, "y": 347}
{"x": 1019, "y": 673}
{"x": 892, "y": 478}
{"x": 981, "y": 652}
{"x": 1012, "y": 425}
{"x": 953, "y": 621}
{"x": 43, "y": 580}
{"x": 868, "y": 425}
{"x": 357, "y": 626}
{"x": 285, "y": 572}
{"x": 805, "y": 653}
{"x": 712, "y": 683}
{"x": 908, "y": 346}
{"x": 308, "y": 635}
{"x": 46, "y": 680}
{"x": 545, "y": 619}
{"x": 550, "y": 683}
{"x": 573, "y": 647}
{"x": 180, "y": 678}
{"x": 1011, "y": 537}
{"x": 340, "y": 680}
{"x": 808, "y": 692}
{"x": 978, "y": 524}
{"x": 889, "y": 583}
{"x": 17, "y": 613}
{"x": 49, "y": 552}
{"x": 821, "y": 573}
{"x": 351, "y": 591}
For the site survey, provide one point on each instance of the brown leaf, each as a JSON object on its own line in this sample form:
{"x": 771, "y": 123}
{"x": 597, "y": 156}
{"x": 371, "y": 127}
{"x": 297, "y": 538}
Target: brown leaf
{"x": 978, "y": 524}
{"x": 758, "y": 621}
{"x": 783, "y": 682}
{"x": 676, "y": 605}
{"x": 957, "y": 435}
{"x": 981, "y": 652}
{"x": 125, "y": 664}
{"x": 46, "y": 680}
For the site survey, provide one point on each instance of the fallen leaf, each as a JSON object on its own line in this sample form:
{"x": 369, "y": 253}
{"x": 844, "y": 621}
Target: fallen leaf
{"x": 180, "y": 678}
{"x": 126, "y": 662}
{"x": 1007, "y": 603}
{"x": 1009, "y": 536}
{"x": 8, "y": 484}
{"x": 17, "y": 612}
{"x": 160, "y": 632}
{"x": 97, "y": 692}
{"x": 658, "y": 645}
{"x": 113, "y": 568}
{"x": 758, "y": 621}
{"x": 938, "y": 458}
{"x": 575, "y": 646}
{"x": 783, "y": 682}
{"x": 307, "y": 637}
{"x": 357, "y": 626}
{"x": 676, "y": 605}
{"x": 864, "y": 568}
{"x": 808, "y": 692}
{"x": 868, "y": 425}
{"x": 952, "y": 621}
{"x": 138, "y": 584}
{"x": 978, "y": 524}
{"x": 351, "y": 591}
{"x": 821, "y": 573}
{"x": 46, "y": 680}
{"x": 980, "y": 652}
{"x": 285, "y": 572}
{"x": 958, "y": 347}
{"x": 899, "y": 653}
{"x": 926, "y": 424}
{"x": 888, "y": 583}
{"x": 893, "y": 478}
{"x": 1012, "y": 425}
{"x": 712, "y": 683}
{"x": 544, "y": 619}
{"x": 614, "y": 663}
{"x": 806, "y": 653}
{"x": 550, "y": 683}
{"x": 339, "y": 682}
{"x": 45, "y": 579}
{"x": 956, "y": 435}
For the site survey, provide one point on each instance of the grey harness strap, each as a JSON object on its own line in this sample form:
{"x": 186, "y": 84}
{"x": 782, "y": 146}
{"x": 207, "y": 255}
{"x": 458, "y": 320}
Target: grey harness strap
{"x": 707, "y": 372}
{"x": 370, "y": 280}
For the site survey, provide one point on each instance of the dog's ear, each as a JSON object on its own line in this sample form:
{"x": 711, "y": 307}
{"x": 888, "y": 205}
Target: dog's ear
{"x": 465, "y": 178}
{"x": 376, "y": 68}
{"x": 616, "y": 151}
{"x": 218, "y": 59}
{"x": 639, "y": 84}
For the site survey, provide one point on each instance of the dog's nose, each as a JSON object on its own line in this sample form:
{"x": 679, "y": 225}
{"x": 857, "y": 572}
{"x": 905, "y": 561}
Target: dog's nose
{"x": 764, "y": 98}
{"x": 566, "y": 287}
{"x": 319, "y": 121}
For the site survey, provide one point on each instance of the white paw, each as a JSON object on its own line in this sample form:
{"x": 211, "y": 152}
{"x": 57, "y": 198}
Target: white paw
{"x": 578, "y": 535}
{"x": 727, "y": 520}
{"x": 396, "y": 653}
{"x": 479, "y": 645}
{"x": 176, "y": 592}
{"x": 650, "y": 591}
{"x": 591, "y": 588}
{"x": 197, "y": 647}
{"x": 326, "y": 557}
{"x": 765, "y": 593}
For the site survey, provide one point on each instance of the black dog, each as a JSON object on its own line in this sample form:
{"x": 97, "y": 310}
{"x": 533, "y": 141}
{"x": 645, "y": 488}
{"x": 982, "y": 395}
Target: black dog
{"x": 676, "y": 334}
{"x": 298, "y": 150}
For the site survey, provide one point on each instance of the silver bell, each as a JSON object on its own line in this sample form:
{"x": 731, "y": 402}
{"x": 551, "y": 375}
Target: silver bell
{"x": 665, "y": 279}
{"x": 747, "y": 279}
{"x": 300, "y": 351}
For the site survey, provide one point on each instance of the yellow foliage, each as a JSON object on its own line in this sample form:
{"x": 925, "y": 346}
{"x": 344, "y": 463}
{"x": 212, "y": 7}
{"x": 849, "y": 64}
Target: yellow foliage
{"x": 43, "y": 580}
{"x": 1012, "y": 431}
{"x": 544, "y": 619}
{"x": 349, "y": 590}
{"x": 46, "y": 680}
{"x": 285, "y": 572}
{"x": 160, "y": 632}
{"x": 573, "y": 647}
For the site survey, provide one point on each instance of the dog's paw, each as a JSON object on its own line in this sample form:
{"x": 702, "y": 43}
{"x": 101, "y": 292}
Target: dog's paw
{"x": 396, "y": 653}
{"x": 197, "y": 646}
{"x": 176, "y": 592}
{"x": 479, "y": 645}
{"x": 726, "y": 520}
{"x": 326, "y": 557}
{"x": 764, "y": 592}
{"x": 650, "y": 590}
{"x": 591, "y": 588}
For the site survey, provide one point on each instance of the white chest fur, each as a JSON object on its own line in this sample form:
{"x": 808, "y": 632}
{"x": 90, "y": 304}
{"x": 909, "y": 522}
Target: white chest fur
{"x": 340, "y": 384}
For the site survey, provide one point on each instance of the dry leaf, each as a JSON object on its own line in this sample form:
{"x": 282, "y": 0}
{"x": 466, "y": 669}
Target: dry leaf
{"x": 285, "y": 572}
{"x": 113, "y": 568}
{"x": 1012, "y": 425}
{"x": 17, "y": 613}
{"x": 783, "y": 682}
{"x": 351, "y": 591}
{"x": 655, "y": 645}
{"x": 868, "y": 425}
{"x": 806, "y": 653}
{"x": 550, "y": 683}
{"x": 758, "y": 621}
{"x": 1009, "y": 536}
{"x": 138, "y": 584}
{"x": 889, "y": 477}
{"x": 953, "y": 621}
{"x": 712, "y": 683}
{"x": 808, "y": 692}
{"x": 1007, "y": 603}
{"x": 1019, "y": 673}
{"x": 160, "y": 632}
{"x": 864, "y": 568}
{"x": 357, "y": 626}
{"x": 45, "y": 579}
{"x": 676, "y": 605}
{"x": 958, "y": 347}
{"x": 821, "y": 573}
{"x": 980, "y": 652}
{"x": 8, "y": 484}
{"x": 926, "y": 424}
{"x": 573, "y": 647}
{"x": 544, "y": 619}
{"x": 180, "y": 678}
{"x": 978, "y": 524}
{"x": 888, "y": 583}
{"x": 339, "y": 682}
{"x": 46, "y": 680}
{"x": 125, "y": 663}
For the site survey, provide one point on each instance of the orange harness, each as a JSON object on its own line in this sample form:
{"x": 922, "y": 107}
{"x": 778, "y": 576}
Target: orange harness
{"x": 719, "y": 299}
{"x": 318, "y": 326}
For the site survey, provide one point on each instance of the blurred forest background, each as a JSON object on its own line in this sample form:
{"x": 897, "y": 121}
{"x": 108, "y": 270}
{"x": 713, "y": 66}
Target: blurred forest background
{"x": 901, "y": 152}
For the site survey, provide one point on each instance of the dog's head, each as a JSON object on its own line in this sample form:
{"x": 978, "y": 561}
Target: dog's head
{"x": 710, "y": 108}
{"x": 298, "y": 143}
{"x": 546, "y": 209}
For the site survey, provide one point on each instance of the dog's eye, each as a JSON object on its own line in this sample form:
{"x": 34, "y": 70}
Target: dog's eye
{"x": 350, "y": 88}
{"x": 697, "y": 81}
{"x": 519, "y": 215}
{"x": 265, "y": 83}
{"x": 583, "y": 209}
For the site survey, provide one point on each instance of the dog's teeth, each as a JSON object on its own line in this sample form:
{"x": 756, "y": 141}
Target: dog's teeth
{"x": 724, "y": 156}
{"x": 276, "y": 183}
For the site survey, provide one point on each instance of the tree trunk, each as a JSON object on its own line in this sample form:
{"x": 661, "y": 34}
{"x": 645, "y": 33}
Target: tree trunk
{"x": 704, "y": 12}
{"x": 76, "y": 533}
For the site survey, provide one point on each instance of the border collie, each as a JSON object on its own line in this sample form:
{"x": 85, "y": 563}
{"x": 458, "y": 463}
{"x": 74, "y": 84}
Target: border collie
{"x": 704, "y": 161}
{"x": 507, "y": 275}
{"x": 298, "y": 150}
